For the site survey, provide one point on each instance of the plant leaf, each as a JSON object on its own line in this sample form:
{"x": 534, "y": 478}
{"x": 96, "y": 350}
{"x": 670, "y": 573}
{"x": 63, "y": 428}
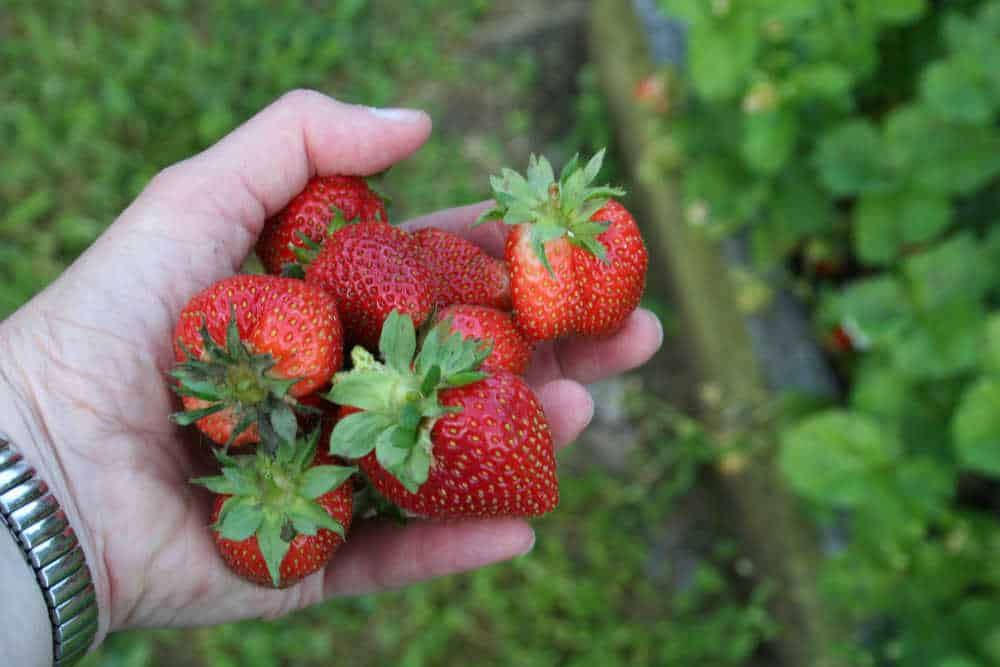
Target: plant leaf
{"x": 189, "y": 417}
{"x": 354, "y": 435}
{"x": 284, "y": 422}
{"x": 320, "y": 480}
{"x": 398, "y": 342}
{"x": 307, "y": 516}
{"x": 241, "y": 521}
{"x": 366, "y": 390}
{"x": 220, "y": 484}
{"x": 272, "y": 547}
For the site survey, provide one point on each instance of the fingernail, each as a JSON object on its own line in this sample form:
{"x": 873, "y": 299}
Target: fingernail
{"x": 531, "y": 544}
{"x": 659, "y": 328}
{"x": 398, "y": 115}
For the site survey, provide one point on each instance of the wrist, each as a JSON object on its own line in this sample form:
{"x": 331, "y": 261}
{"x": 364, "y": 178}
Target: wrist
{"x": 25, "y": 629}
{"x": 23, "y": 424}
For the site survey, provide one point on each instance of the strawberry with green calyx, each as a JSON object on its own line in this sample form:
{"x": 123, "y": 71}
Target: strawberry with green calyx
{"x": 308, "y": 249}
{"x": 289, "y": 238}
{"x": 511, "y": 350}
{"x": 462, "y": 271}
{"x": 277, "y": 519}
{"x": 246, "y": 349}
{"x": 372, "y": 268}
{"x": 439, "y": 438}
{"x": 577, "y": 260}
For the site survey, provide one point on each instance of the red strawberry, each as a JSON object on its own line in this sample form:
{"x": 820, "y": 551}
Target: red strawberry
{"x": 248, "y": 346}
{"x": 278, "y": 519}
{"x": 577, "y": 260}
{"x": 462, "y": 271}
{"x": 511, "y": 351}
{"x": 437, "y": 437}
{"x": 372, "y": 268}
{"x": 327, "y": 203}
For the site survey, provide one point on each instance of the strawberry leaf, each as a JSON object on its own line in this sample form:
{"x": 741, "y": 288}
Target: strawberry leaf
{"x": 233, "y": 345}
{"x": 540, "y": 174}
{"x": 414, "y": 471}
{"x": 409, "y": 416}
{"x": 189, "y": 417}
{"x": 283, "y": 422}
{"x": 492, "y": 215}
{"x": 241, "y": 521}
{"x": 196, "y": 388}
{"x": 307, "y": 517}
{"x": 320, "y": 480}
{"x": 368, "y": 390}
{"x": 212, "y": 349}
{"x": 398, "y": 342}
{"x": 221, "y": 485}
{"x": 595, "y": 247}
{"x": 246, "y": 422}
{"x": 293, "y": 270}
{"x": 242, "y": 476}
{"x": 388, "y": 449}
{"x": 431, "y": 380}
{"x": 465, "y": 378}
{"x": 354, "y": 435}
{"x": 593, "y": 167}
{"x": 306, "y": 450}
{"x": 280, "y": 387}
{"x": 272, "y": 547}
{"x": 570, "y": 167}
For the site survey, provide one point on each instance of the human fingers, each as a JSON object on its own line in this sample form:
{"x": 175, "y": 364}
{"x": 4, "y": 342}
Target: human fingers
{"x": 382, "y": 555}
{"x": 255, "y": 170}
{"x": 569, "y": 409}
{"x": 588, "y": 360}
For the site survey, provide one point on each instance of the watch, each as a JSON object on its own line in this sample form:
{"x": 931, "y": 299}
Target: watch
{"x": 50, "y": 547}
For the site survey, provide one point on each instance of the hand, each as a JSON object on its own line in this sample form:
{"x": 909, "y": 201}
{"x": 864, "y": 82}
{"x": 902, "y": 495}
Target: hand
{"x": 83, "y": 388}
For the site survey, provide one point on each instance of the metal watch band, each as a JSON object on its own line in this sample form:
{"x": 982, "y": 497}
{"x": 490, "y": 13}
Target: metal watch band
{"x": 48, "y": 543}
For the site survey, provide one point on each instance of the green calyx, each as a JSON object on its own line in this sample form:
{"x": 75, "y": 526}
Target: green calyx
{"x": 275, "y": 497}
{"x": 398, "y": 396}
{"x": 554, "y": 209}
{"x": 307, "y": 253}
{"x": 232, "y": 377}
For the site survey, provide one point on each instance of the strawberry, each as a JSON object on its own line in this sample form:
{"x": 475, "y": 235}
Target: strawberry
{"x": 511, "y": 351}
{"x": 438, "y": 437}
{"x": 246, "y": 348}
{"x": 462, "y": 271}
{"x": 277, "y": 519}
{"x": 372, "y": 268}
{"x": 291, "y": 238}
{"x": 577, "y": 260}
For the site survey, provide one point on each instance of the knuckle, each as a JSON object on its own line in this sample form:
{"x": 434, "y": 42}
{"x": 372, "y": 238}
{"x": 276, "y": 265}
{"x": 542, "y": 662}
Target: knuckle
{"x": 300, "y": 99}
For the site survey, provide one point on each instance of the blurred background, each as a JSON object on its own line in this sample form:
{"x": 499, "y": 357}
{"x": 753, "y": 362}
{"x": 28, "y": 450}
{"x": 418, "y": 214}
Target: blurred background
{"x": 807, "y": 474}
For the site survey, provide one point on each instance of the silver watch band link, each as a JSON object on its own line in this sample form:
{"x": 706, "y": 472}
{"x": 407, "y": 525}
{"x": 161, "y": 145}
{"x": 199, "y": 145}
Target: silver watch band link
{"x": 48, "y": 543}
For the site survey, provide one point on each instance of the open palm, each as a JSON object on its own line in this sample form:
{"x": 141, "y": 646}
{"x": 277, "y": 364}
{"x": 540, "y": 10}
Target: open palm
{"x": 83, "y": 388}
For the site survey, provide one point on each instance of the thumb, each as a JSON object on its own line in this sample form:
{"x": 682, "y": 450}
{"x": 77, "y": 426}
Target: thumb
{"x": 197, "y": 220}
{"x": 224, "y": 194}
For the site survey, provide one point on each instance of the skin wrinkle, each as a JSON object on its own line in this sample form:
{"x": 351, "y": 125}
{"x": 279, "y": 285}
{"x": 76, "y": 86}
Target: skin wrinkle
{"x": 59, "y": 481}
{"x": 139, "y": 597}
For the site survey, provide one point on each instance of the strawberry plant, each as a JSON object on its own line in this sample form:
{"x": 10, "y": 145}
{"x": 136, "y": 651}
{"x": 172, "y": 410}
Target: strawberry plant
{"x": 857, "y": 146}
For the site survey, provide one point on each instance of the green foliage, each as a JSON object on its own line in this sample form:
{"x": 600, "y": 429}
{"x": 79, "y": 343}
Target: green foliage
{"x": 98, "y": 97}
{"x": 872, "y": 127}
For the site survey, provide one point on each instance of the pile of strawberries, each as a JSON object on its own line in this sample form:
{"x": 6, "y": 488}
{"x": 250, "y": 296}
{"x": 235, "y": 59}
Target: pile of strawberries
{"x": 430, "y": 415}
